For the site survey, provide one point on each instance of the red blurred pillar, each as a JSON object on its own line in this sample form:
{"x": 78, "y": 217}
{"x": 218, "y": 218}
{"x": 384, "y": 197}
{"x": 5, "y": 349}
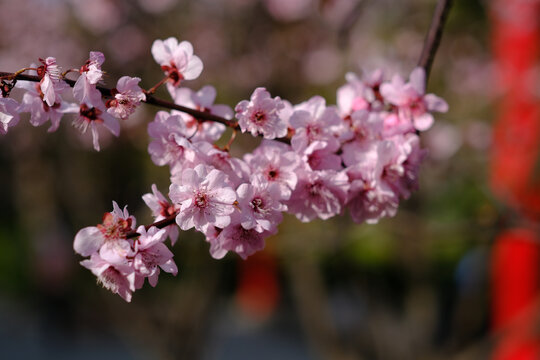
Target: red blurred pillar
{"x": 516, "y": 254}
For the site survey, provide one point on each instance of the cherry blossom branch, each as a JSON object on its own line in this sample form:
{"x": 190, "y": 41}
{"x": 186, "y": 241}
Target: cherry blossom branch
{"x": 433, "y": 37}
{"x": 150, "y": 99}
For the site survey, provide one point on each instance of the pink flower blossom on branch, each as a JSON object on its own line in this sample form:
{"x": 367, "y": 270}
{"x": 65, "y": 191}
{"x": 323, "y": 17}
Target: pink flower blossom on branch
{"x": 51, "y": 82}
{"x": 85, "y": 90}
{"x": 9, "y": 114}
{"x": 127, "y": 96}
{"x": 204, "y": 197}
{"x": 91, "y": 117}
{"x": 260, "y": 115}
{"x": 412, "y": 103}
{"x": 177, "y": 60}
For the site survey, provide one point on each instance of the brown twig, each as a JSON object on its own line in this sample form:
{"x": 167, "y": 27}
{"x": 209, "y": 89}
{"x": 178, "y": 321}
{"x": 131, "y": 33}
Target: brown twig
{"x": 169, "y": 220}
{"x": 434, "y": 34}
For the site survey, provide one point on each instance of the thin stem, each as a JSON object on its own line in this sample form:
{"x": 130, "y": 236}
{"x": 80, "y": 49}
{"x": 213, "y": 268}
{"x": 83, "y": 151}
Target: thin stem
{"x": 155, "y": 87}
{"x": 228, "y": 146}
{"x": 434, "y": 34}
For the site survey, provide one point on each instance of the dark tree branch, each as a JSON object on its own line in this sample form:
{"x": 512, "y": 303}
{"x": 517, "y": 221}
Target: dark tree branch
{"x": 433, "y": 37}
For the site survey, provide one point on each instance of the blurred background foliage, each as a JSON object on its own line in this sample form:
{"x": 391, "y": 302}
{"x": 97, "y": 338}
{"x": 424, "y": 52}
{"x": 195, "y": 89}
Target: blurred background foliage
{"x": 411, "y": 287}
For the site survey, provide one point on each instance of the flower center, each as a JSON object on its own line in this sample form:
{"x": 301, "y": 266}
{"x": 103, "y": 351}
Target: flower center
{"x": 90, "y": 114}
{"x": 114, "y": 229}
{"x": 272, "y": 174}
{"x": 258, "y": 117}
{"x": 257, "y": 204}
{"x": 174, "y": 75}
{"x": 315, "y": 188}
{"x": 201, "y": 200}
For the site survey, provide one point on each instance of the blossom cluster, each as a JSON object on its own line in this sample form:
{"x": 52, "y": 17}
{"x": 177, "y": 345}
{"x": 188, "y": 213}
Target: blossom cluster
{"x": 315, "y": 160}
{"x": 120, "y": 263}
{"x": 44, "y": 100}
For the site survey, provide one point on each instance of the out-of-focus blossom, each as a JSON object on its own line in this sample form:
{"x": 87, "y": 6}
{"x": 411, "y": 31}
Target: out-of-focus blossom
{"x": 412, "y": 102}
{"x": 318, "y": 194}
{"x": 157, "y": 6}
{"x": 289, "y": 10}
{"x": 9, "y": 114}
{"x": 443, "y": 140}
{"x": 98, "y": 16}
{"x": 322, "y": 66}
{"x": 478, "y": 135}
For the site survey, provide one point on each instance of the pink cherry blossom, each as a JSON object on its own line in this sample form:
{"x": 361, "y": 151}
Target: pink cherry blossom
{"x": 409, "y": 156}
{"x": 236, "y": 238}
{"x": 40, "y": 111}
{"x": 260, "y": 206}
{"x": 116, "y": 278}
{"x": 9, "y": 114}
{"x": 411, "y": 101}
{"x": 369, "y": 199}
{"x": 319, "y": 194}
{"x": 363, "y": 125}
{"x": 204, "y": 197}
{"x": 85, "y": 90}
{"x": 115, "y": 226}
{"x": 318, "y": 156}
{"x": 51, "y": 84}
{"x": 170, "y": 145}
{"x": 127, "y": 96}
{"x": 275, "y": 163}
{"x": 360, "y": 94}
{"x": 371, "y": 196}
{"x": 353, "y": 96}
{"x": 312, "y": 121}
{"x": 152, "y": 254}
{"x": 260, "y": 115}
{"x": 91, "y": 117}
{"x": 177, "y": 60}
